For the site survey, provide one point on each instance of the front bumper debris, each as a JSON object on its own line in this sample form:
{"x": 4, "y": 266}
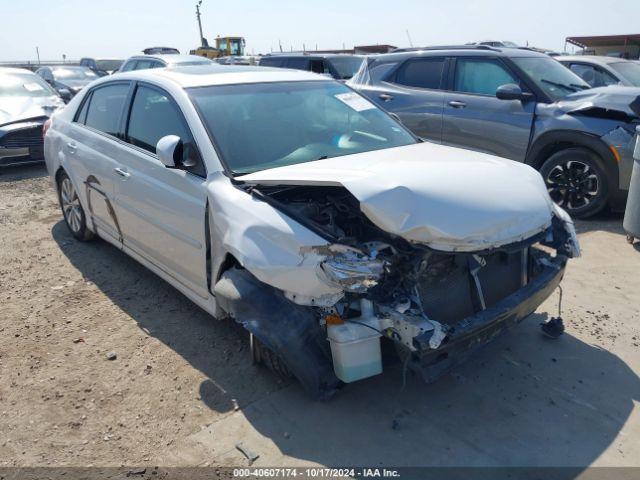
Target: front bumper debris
{"x": 475, "y": 331}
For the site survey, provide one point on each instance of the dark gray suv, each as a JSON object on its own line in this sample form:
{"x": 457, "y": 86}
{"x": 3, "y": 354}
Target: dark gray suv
{"x": 518, "y": 104}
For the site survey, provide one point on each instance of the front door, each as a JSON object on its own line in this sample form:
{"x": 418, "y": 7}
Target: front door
{"x": 475, "y": 118}
{"x": 162, "y": 210}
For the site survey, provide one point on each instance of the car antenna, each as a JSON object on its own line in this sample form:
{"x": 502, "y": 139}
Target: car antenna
{"x": 409, "y": 37}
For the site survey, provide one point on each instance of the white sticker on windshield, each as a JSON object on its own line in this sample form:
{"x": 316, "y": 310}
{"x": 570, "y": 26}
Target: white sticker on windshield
{"x": 33, "y": 87}
{"x": 355, "y": 101}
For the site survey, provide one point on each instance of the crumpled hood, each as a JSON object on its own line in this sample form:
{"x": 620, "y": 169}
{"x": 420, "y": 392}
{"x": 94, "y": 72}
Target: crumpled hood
{"x": 614, "y": 98}
{"x": 448, "y": 198}
{"x": 13, "y": 109}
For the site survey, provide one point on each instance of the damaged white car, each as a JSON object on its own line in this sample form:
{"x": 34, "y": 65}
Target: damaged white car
{"x": 293, "y": 205}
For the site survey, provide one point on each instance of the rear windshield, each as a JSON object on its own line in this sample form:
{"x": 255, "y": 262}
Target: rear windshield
{"x": 24, "y": 85}
{"x": 109, "y": 65}
{"x": 268, "y": 125}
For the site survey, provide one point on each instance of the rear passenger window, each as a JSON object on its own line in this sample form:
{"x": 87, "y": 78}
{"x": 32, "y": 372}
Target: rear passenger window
{"x": 105, "y": 108}
{"x": 423, "y": 73}
{"x": 318, "y": 66}
{"x": 298, "y": 63}
{"x": 481, "y": 76}
{"x": 153, "y": 116}
{"x": 272, "y": 62}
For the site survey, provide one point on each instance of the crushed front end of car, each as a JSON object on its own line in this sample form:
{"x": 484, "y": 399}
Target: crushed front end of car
{"x": 437, "y": 267}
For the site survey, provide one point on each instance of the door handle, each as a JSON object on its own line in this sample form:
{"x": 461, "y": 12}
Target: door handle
{"x": 457, "y": 104}
{"x": 121, "y": 172}
{"x": 72, "y": 147}
{"x": 385, "y": 97}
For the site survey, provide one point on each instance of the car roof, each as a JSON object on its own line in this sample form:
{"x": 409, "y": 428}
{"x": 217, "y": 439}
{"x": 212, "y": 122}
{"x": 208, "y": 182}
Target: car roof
{"x": 595, "y": 59}
{"x": 15, "y": 70}
{"x": 101, "y": 58}
{"x": 460, "y": 50}
{"x": 216, "y": 74}
{"x": 311, "y": 55}
{"x": 170, "y": 58}
{"x": 67, "y": 67}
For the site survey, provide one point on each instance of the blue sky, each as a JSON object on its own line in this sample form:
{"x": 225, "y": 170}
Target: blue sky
{"x": 119, "y": 28}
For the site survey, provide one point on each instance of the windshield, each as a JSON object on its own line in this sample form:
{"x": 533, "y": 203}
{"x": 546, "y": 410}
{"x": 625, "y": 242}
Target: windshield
{"x": 549, "y": 75}
{"x": 346, "y": 66}
{"x": 109, "y": 65}
{"x": 74, "y": 74}
{"x": 629, "y": 70}
{"x": 24, "y": 85}
{"x": 268, "y": 125}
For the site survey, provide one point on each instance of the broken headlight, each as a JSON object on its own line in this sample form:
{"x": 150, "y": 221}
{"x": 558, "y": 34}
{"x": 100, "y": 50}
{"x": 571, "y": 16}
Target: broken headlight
{"x": 572, "y": 244}
{"x": 352, "y": 271}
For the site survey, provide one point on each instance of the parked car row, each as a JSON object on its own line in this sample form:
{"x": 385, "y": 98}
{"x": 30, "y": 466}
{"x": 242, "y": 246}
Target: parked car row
{"x": 512, "y": 102}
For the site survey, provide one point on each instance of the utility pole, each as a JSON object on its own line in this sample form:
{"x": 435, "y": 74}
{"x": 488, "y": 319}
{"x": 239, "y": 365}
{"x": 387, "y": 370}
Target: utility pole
{"x": 199, "y": 22}
{"x": 38, "y": 54}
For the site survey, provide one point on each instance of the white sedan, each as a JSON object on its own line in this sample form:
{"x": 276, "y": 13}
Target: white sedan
{"x": 290, "y": 203}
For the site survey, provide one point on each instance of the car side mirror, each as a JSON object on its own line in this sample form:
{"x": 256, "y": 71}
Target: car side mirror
{"x": 511, "y": 91}
{"x": 169, "y": 151}
{"x": 65, "y": 93}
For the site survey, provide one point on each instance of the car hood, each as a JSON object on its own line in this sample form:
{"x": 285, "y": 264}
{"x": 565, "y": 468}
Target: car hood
{"x": 614, "y": 101}
{"x": 14, "y": 109}
{"x": 447, "y": 198}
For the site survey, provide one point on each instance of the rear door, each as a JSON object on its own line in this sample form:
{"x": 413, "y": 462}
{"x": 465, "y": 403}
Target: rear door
{"x": 475, "y": 118}
{"x": 414, "y": 93}
{"x": 93, "y": 151}
{"x": 162, "y": 210}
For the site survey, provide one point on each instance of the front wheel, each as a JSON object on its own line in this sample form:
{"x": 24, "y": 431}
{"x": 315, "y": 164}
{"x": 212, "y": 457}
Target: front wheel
{"x": 72, "y": 210}
{"x": 576, "y": 180}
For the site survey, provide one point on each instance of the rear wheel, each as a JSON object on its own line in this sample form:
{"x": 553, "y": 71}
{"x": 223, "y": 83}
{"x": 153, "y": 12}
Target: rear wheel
{"x": 72, "y": 210}
{"x": 577, "y": 181}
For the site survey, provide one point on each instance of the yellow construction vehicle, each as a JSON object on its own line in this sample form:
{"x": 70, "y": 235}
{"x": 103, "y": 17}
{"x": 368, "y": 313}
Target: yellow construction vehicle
{"x": 225, "y": 46}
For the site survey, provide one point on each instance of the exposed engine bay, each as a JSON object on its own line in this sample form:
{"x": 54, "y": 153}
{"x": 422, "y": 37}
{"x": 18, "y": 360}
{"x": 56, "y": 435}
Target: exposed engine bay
{"x": 423, "y": 300}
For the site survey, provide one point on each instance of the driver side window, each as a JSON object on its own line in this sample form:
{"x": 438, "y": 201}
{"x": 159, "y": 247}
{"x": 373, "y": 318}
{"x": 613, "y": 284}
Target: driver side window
{"x": 154, "y": 115}
{"x": 481, "y": 76}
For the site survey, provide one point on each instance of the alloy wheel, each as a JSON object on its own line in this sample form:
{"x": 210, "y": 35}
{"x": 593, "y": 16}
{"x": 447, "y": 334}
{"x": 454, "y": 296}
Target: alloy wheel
{"x": 70, "y": 205}
{"x": 573, "y": 184}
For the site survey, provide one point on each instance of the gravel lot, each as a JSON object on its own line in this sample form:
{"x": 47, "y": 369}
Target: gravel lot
{"x": 182, "y": 390}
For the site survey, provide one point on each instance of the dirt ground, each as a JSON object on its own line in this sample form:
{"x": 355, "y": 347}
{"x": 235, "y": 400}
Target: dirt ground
{"x": 183, "y": 392}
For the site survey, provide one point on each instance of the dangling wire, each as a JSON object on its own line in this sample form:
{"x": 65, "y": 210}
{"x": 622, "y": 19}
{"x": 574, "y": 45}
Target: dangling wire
{"x": 405, "y": 364}
{"x": 559, "y": 301}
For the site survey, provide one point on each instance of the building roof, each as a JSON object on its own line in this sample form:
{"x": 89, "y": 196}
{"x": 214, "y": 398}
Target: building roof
{"x": 605, "y": 40}
{"x": 593, "y": 59}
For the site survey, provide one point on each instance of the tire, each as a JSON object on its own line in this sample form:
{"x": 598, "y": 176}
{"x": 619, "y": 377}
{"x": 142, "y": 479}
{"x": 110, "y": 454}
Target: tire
{"x": 262, "y": 355}
{"x": 72, "y": 210}
{"x": 577, "y": 180}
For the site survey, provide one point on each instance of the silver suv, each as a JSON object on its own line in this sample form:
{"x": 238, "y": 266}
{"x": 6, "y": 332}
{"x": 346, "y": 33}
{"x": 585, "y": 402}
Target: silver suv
{"x": 517, "y": 104}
